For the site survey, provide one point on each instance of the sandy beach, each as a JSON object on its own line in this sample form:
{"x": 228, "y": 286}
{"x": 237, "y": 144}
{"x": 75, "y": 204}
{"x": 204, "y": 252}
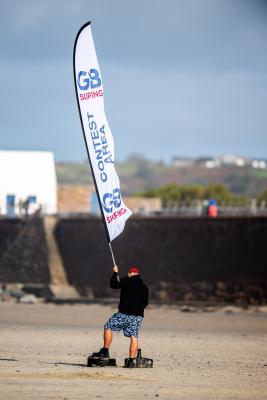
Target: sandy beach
{"x": 197, "y": 355}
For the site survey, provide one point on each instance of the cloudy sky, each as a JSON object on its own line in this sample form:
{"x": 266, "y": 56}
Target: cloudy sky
{"x": 186, "y": 78}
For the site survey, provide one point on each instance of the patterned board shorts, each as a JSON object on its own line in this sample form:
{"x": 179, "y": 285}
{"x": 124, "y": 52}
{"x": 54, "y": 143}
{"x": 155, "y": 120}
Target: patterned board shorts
{"x": 130, "y": 324}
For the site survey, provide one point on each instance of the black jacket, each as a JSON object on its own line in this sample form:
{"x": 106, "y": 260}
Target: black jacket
{"x": 134, "y": 294}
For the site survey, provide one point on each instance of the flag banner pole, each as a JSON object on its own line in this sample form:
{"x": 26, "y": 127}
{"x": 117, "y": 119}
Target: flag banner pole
{"x": 97, "y": 134}
{"x": 112, "y": 255}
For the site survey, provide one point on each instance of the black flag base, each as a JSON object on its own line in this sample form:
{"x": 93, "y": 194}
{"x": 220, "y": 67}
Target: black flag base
{"x": 142, "y": 363}
{"x": 138, "y": 362}
{"x": 93, "y": 361}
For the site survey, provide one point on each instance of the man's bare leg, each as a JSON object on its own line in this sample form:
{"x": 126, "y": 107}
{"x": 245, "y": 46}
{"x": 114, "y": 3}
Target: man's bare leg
{"x": 133, "y": 347}
{"x": 108, "y": 336}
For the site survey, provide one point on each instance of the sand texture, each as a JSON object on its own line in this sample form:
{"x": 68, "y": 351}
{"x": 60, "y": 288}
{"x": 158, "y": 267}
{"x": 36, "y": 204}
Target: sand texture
{"x": 197, "y": 356}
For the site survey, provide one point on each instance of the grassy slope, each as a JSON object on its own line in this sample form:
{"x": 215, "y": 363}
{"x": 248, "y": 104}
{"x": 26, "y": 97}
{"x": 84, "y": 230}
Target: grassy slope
{"x": 139, "y": 174}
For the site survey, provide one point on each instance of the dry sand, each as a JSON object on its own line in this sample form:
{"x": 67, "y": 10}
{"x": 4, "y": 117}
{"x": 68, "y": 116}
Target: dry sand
{"x": 201, "y": 355}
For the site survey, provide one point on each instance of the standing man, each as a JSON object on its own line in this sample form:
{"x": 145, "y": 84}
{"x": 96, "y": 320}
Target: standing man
{"x": 133, "y": 300}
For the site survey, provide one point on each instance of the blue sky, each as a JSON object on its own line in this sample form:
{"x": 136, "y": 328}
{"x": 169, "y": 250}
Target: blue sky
{"x": 186, "y": 78}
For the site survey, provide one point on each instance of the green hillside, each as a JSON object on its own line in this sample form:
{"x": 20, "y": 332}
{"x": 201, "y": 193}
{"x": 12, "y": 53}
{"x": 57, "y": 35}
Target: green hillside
{"x": 138, "y": 174}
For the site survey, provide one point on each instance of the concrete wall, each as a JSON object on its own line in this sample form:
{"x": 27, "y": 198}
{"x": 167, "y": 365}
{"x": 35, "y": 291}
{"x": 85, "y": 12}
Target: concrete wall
{"x": 222, "y": 259}
{"x": 187, "y": 259}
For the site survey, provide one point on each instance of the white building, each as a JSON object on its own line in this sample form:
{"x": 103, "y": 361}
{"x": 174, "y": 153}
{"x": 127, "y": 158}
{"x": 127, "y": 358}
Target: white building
{"x": 27, "y": 178}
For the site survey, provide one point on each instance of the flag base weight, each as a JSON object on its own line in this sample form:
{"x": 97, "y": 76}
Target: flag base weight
{"x": 101, "y": 362}
{"x": 143, "y": 363}
{"x": 138, "y": 362}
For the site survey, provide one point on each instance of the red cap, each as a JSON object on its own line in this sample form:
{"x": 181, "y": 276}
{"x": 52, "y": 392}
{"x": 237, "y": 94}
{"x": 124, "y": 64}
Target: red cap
{"x": 133, "y": 269}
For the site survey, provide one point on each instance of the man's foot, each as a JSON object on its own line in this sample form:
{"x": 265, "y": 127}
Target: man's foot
{"x": 129, "y": 364}
{"x": 103, "y": 353}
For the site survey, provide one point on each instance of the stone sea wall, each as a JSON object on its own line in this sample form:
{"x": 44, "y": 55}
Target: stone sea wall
{"x": 181, "y": 259}
{"x": 23, "y": 252}
{"x": 188, "y": 259}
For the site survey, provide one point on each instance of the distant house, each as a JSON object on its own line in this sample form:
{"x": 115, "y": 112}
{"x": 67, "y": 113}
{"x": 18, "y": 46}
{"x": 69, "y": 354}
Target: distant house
{"x": 75, "y": 198}
{"x": 143, "y": 205}
{"x": 180, "y": 162}
{"x": 27, "y": 182}
{"x": 259, "y": 164}
{"x": 83, "y": 199}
